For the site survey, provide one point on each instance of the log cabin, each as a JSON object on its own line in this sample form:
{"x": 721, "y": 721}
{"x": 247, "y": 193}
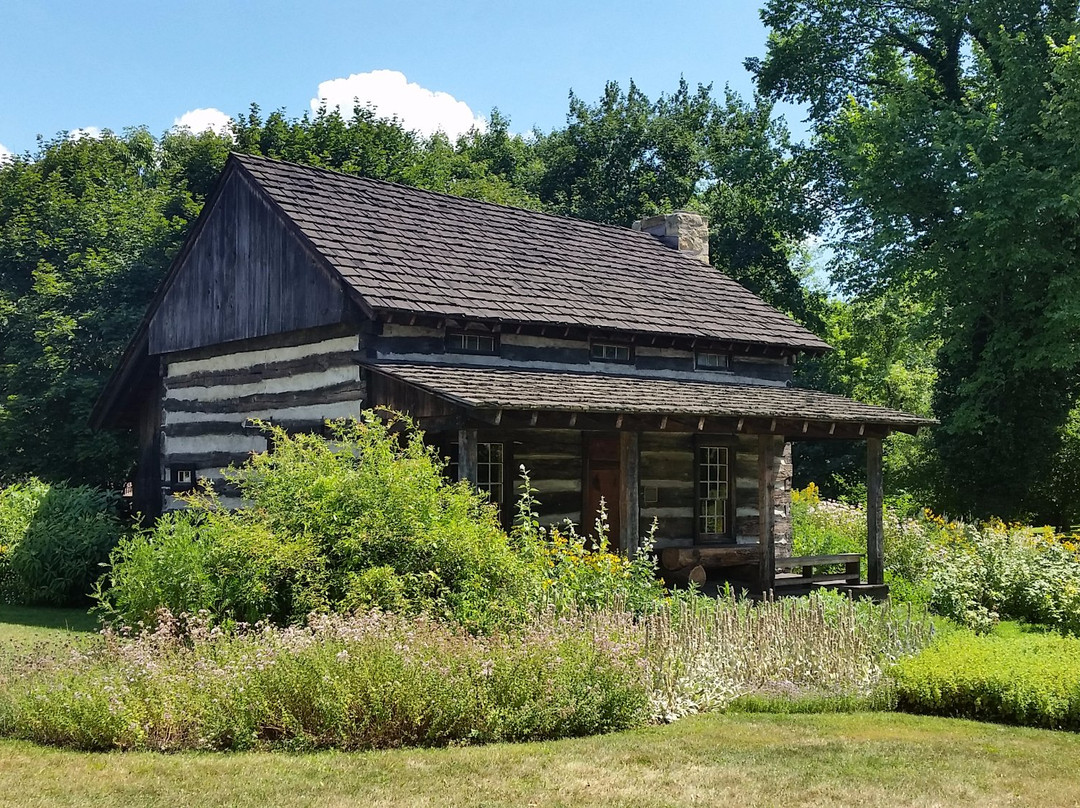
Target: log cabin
{"x": 613, "y": 363}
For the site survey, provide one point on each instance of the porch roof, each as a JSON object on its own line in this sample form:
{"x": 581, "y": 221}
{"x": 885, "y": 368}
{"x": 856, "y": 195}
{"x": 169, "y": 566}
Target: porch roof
{"x": 742, "y": 407}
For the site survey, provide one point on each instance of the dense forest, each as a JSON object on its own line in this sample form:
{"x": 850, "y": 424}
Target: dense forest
{"x": 941, "y": 178}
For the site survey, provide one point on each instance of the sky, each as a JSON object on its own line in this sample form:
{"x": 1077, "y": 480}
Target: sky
{"x": 77, "y": 68}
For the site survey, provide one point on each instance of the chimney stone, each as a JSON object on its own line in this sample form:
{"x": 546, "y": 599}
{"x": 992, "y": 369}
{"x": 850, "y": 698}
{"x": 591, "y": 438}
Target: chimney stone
{"x": 682, "y": 230}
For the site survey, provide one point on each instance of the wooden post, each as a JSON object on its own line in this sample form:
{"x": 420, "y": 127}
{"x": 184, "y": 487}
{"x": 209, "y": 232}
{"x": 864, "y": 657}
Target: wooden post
{"x": 766, "y": 534}
{"x": 631, "y": 481}
{"x": 875, "y": 514}
{"x": 467, "y": 454}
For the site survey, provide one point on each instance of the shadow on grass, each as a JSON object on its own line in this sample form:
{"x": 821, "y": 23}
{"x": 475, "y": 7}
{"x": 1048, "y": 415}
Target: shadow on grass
{"x": 44, "y": 617}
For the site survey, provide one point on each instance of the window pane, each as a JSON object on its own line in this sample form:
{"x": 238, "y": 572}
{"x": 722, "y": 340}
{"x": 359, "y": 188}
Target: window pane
{"x": 713, "y": 490}
{"x": 489, "y": 470}
{"x": 708, "y": 359}
{"x": 471, "y": 343}
{"x": 611, "y": 352}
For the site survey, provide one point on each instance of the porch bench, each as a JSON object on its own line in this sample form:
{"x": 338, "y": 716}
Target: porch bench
{"x": 852, "y": 573}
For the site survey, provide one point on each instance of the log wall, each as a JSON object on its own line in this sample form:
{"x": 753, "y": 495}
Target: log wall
{"x": 421, "y": 343}
{"x": 553, "y": 458}
{"x": 209, "y": 400}
{"x": 668, "y": 489}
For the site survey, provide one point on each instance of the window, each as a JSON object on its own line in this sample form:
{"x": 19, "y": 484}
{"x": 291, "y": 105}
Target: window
{"x": 713, "y": 498}
{"x": 709, "y": 360}
{"x": 489, "y": 470}
{"x": 470, "y": 342}
{"x": 183, "y": 478}
{"x": 611, "y": 352}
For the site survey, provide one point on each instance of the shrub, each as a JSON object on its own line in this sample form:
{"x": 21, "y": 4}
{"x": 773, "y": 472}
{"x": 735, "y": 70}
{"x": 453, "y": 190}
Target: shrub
{"x": 974, "y": 574}
{"x": 1032, "y": 679}
{"x": 226, "y": 564}
{"x": 365, "y": 519}
{"x": 53, "y": 541}
{"x": 373, "y": 680}
{"x": 580, "y": 571}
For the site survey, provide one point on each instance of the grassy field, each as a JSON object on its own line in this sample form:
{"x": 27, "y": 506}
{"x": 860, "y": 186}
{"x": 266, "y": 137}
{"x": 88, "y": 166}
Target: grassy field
{"x": 863, "y": 760}
{"x": 750, "y": 760}
{"x": 21, "y": 626}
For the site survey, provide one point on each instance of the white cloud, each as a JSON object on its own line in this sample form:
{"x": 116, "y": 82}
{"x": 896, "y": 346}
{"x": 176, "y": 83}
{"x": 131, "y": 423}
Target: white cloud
{"x": 390, "y": 94}
{"x": 199, "y": 120}
{"x": 92, "y": 132}
{"x": 5, "y": 154}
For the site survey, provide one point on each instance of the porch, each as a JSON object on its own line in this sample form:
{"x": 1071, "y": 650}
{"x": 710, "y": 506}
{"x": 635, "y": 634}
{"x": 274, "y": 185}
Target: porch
{"x": 710, "y": 463}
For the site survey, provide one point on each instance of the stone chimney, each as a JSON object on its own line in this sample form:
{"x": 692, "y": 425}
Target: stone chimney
{"x": 682, "y": 230}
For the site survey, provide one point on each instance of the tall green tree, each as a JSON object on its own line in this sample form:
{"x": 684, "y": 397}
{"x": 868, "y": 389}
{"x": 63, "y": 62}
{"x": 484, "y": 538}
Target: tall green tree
{"x": 625, "y": 157}
{"x": 86, "y": 231}
{"x": 946, "y": 138}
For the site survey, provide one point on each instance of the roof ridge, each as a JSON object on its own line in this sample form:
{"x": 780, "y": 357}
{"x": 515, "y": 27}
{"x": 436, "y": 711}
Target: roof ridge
{"x": 618, "y": 228}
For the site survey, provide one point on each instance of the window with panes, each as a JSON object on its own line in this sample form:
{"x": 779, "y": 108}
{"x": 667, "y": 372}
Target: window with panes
{"x": 471, "y": 342}
{"x": 490, "y": 469}
{"x": 611, "y": 352}
{"x": 713, "y": 492}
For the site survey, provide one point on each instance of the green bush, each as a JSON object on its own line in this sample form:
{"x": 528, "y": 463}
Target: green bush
{"x": 367, "y": 681}
{"x": 227, "y": 564}
{"x": 974, "y": 574}
{"x": 365, "y": 519}
{"x": 54, "y": 540}
{"x": 1031, "y": 679}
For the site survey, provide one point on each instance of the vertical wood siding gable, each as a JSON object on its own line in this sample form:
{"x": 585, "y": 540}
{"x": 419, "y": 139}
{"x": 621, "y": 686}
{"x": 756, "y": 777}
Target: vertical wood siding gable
{"x": 247, "y": 275}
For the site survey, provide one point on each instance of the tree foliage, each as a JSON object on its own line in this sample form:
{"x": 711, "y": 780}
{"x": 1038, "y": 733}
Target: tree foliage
{"x": 946, "y": 138}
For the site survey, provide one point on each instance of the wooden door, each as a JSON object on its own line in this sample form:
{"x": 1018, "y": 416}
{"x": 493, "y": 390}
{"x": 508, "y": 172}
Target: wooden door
{"x": 603, "y": 478}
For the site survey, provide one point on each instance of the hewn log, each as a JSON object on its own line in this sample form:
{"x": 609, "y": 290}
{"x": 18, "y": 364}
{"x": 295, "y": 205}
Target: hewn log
{"x": 695, "y": 573}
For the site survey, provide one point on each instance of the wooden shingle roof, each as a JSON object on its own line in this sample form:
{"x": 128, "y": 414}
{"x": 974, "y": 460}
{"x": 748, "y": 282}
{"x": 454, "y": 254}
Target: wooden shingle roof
{"x": 404, "y": 249}
{"x": 494, "y": 388}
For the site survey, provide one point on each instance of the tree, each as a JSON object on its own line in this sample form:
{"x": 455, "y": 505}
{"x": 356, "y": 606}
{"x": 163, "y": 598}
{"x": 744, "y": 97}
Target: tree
{"x": 945, "y": 133}
{"x": 626, "y": 157}
{"x": 87, "y": 229}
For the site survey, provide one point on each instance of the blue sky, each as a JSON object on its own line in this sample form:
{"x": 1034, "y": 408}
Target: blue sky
{"x": 77, "y": 65}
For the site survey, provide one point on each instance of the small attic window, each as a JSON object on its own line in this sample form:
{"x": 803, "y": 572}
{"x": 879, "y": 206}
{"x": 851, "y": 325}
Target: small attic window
{"x": 471, "y": 342}
{"x": 611, "y": 352}
{"x": 711, "y": 360}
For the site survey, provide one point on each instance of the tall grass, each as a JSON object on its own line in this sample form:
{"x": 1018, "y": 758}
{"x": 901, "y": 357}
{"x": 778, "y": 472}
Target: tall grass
{"x": 824, "y": 651}
{"x": 377, "y": 679}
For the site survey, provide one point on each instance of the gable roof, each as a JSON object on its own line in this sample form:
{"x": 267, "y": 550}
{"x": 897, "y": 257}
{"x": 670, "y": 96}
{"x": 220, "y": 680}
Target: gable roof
{"x": 409, "y": 250}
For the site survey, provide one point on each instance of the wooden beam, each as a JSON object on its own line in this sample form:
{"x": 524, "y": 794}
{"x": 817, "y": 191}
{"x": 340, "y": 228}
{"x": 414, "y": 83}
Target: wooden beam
{"x": 467, "y": 454}
{"x": 629, "y": 468}
{"x": 766, "y": 533}
{"x": 875, "y": 514}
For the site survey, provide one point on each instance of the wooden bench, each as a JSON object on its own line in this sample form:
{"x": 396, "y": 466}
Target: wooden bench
{"x": 852, "y": 574}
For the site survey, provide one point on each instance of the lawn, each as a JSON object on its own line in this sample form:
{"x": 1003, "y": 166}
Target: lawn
{"x": 21, "y": 626}
{"x": 749, "y": 760}
{"x": 858, "y": 759}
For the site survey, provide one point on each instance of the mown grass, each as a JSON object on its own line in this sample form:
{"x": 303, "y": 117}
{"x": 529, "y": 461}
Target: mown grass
{"x": 874, "y": 759}
{"x": 22, "y": 627}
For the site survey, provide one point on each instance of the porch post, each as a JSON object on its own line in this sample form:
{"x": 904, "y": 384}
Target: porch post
{"x": 628, "y": 503}
{"x": 875, "y": 514}
{"x": 467, "y": 455}
{"x": 766, "y": 534}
